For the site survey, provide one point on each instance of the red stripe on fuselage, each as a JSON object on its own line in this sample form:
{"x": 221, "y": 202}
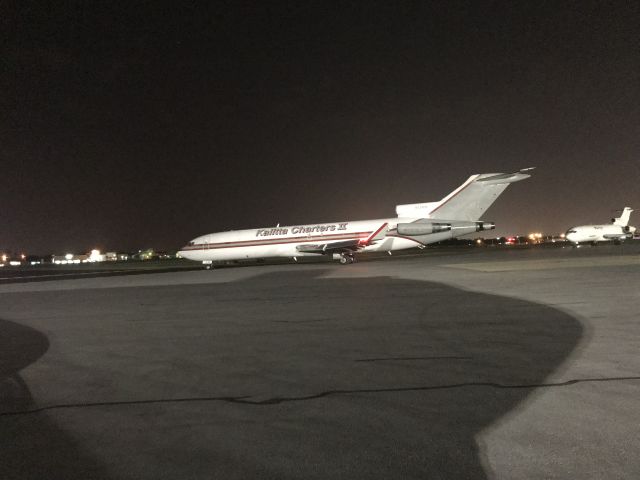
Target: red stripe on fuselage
{"x": 274, "y": 241}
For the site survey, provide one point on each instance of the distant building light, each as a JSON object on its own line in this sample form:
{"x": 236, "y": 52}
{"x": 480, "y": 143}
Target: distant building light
{"x": 69, "y": 256}
{"x": 14, "y": 263}
{"x": 95, "y": 256}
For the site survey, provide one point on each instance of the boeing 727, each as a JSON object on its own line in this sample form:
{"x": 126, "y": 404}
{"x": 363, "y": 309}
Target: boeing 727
{"x": 616, "y": 231}
{"x": 416, "y": 225}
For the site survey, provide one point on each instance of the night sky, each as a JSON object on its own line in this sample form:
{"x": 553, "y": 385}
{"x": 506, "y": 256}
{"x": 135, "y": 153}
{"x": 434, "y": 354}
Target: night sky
{"x": 129, "y": 125}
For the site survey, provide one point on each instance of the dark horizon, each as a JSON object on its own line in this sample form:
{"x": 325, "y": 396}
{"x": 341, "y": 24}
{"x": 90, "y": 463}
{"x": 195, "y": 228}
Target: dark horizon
{"x": 133, "y": 126}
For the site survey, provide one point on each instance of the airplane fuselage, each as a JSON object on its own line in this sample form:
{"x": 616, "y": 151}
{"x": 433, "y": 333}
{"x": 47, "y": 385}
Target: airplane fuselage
{"x": 599, "y": 233}
{"x": 416, "y": 225}
{"x": 286, "y": 241}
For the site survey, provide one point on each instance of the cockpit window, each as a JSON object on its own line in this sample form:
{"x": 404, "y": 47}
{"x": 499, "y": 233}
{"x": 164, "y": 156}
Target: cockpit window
{"x": 571, "y": 231}
{"x": 191, "y": 243}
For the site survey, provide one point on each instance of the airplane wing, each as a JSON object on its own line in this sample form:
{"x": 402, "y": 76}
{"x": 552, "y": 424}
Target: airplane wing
{"x": 345, "y": 246}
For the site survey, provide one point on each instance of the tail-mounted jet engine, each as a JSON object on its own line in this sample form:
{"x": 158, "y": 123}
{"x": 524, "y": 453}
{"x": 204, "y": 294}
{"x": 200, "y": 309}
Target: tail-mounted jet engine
{"x": 480, "y": 226}
{"x": 419, "y": 228}
{"x": 416, "y": 229}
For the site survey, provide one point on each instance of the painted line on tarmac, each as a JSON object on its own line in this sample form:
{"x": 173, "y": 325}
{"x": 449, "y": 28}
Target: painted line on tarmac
{"x": 246, "y": 399}
{"x": 104, "y": 272}
{"x": 94, "y": 274}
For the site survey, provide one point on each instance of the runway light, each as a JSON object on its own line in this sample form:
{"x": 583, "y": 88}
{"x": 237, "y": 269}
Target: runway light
{"x": 23, "y": 256}
{"x": 4, "y": 258}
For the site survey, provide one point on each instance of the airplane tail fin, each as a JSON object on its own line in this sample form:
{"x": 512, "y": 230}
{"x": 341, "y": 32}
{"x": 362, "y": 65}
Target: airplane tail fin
{"x": 467, "y": 202}
{"x": 623, "y": 219}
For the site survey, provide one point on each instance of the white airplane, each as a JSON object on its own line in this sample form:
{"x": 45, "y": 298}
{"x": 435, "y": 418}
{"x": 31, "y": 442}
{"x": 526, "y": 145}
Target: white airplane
{"x": 416, "y": 225}
{"x": 616, "y": 231}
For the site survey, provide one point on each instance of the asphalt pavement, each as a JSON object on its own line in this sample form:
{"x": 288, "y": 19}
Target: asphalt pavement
{"x": 482, "y": 363}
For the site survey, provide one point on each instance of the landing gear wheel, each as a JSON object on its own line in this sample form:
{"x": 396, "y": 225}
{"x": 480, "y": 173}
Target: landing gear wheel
{"x": 346, "y": 258}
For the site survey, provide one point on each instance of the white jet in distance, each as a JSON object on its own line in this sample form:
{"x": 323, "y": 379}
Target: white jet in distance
{"x": 416, "y": 225}
{"x": 616, "y": 231}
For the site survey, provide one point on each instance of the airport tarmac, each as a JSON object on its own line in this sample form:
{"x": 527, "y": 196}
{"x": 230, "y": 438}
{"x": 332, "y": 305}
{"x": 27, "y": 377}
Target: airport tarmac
{"x": 451, "y": 364}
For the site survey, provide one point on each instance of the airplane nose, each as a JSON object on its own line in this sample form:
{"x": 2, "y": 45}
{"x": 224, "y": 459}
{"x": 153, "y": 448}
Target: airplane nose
{"x": 187, "y": 250}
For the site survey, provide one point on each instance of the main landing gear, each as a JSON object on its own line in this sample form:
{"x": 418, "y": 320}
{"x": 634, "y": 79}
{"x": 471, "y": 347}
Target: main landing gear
{"x": 346, "y": 258}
